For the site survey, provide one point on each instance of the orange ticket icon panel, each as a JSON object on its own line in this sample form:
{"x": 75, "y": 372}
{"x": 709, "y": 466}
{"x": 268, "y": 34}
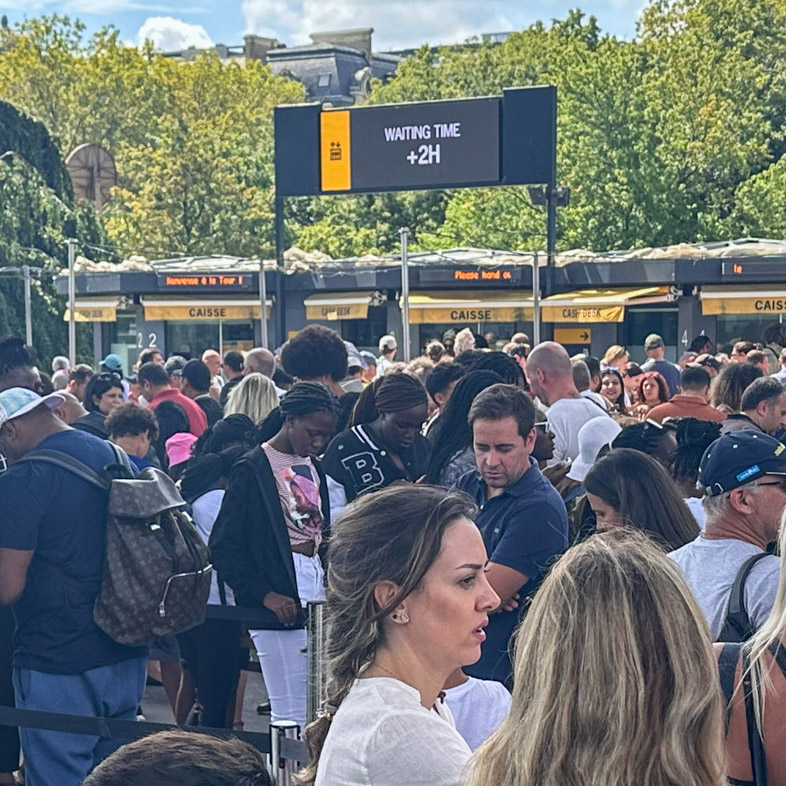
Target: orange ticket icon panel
{"x": 335, "y": 155}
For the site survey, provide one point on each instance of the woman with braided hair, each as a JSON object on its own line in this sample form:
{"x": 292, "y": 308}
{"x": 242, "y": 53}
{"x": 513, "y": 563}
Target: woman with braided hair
{"x": 266, "y": 542}
{"x": 384, "y": 442}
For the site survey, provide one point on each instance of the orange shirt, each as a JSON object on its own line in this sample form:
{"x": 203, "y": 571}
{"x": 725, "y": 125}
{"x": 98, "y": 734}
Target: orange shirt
{"x": 684, "y": 406}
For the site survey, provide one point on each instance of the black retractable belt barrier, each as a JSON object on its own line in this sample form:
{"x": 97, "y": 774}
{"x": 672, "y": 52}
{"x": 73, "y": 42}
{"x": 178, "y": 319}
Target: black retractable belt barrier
{"x": 113, "y": 728}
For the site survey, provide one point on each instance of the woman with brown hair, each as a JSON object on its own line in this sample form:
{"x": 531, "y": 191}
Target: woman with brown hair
{"x": 651, "y": 391}
{"x": 615, "y": 680}
{"x": 407, "y": 602}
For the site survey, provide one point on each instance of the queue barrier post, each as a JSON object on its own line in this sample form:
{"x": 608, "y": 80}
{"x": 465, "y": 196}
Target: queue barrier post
{"x": 282, "y": 768}
{"x": 317, "y": 673}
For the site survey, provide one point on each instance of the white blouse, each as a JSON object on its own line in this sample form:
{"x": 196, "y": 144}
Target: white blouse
{"x": 383, "y": 736}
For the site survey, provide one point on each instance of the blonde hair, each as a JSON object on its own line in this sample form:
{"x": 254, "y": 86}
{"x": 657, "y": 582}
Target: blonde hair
{"x": 615, "y": 679}
{"x": 614, "y": 352}
{"x": 255, "y": 397}
{"x": 768, "y": 637}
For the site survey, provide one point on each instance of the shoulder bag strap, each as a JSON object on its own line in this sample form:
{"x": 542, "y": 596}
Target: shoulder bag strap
{"x": 69, "y": 463}
{"x": 755, "y": 741}
{"x": 737, "y": 625}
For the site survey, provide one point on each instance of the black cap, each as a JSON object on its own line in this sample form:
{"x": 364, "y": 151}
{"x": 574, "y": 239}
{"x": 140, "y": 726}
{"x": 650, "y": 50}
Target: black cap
{"x": 739, "y": 458}
{"x": 197, "y": 374}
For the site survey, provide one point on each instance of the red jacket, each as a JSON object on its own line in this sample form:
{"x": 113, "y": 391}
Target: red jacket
{"x": 197, "y": 422}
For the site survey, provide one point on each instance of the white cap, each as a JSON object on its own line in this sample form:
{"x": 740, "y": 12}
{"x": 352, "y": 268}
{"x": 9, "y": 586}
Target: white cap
{"x": 592, "y": 436}
{"x": 386, "y": 343}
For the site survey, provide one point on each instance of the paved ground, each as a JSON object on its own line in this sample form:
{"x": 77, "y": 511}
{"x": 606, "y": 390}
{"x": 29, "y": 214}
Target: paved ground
{"x": 156, "y": 707}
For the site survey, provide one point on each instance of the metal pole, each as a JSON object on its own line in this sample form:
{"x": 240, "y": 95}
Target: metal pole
{"x": 404, "y": 233}
{"x": 282, "y": 769}
{"x": 263, "y": 302}
{"x": 221, "y": 337}
{"x": 28, "y": 307}
{"x": 281, "y": 311}
{"x": 551, "y": 236}
{"x": 316, "y": 660}
{"x": 535, "y": 299}
{"x": 71, "y": 303}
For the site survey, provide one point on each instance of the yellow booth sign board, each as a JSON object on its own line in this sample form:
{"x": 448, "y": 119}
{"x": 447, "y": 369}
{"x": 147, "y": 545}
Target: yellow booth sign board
{"x": 93, "y": 311}
{"x": 582, "y": 313}
{"x": 599, "y": 305}
{"x": 203, "y": 310}
{"x": 469, "y": 307}
{"x": 720, "y": 300}
{"x": 334, "y": 306}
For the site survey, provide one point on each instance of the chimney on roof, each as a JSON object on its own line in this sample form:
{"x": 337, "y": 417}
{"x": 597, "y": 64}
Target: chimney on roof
{"x": 359, "y": 38}
{"x": 256, "y": 47}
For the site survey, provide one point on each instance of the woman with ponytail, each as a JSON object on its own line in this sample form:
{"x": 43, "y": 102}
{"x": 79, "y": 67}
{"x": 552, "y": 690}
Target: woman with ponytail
{"x": 407, "y": 602}
{"x": 265, "y": 543}
{"x": 384, "y": 442}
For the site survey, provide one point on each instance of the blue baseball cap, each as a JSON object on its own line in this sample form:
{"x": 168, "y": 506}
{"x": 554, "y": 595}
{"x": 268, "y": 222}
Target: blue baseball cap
{"x": 739, "y": 458}
{"x": 16, "y": 402}
{"x": 113, "y": 362}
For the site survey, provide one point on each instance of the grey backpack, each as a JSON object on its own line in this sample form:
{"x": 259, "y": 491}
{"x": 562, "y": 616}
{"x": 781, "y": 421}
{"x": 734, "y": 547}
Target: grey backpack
{"x": 157, "y": 568}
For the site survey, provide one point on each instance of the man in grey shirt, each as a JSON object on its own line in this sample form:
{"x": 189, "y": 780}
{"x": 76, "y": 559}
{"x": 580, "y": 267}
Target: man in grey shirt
{"x": 744, "y": 481}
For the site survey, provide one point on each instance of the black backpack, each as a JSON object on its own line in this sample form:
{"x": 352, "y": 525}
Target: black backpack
{"x": 737, "y": 626}
{"x": 157, "y": 569}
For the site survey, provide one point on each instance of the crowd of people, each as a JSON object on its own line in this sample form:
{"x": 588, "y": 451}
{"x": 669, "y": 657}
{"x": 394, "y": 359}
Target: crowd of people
{"x": 526, "y": 558}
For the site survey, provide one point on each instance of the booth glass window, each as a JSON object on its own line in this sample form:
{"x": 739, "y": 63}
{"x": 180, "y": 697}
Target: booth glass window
{"x": 736, "y": 327}
{"x": 237, "y": 335}
{"x": 190, "y": 339}
{"x": 502, "y": 331}
{"x": 364, "y": 333}
{"x": 640, "y": 321}
{"x": 124, "y": 340}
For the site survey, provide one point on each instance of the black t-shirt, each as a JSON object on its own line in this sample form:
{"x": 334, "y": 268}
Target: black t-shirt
{"x": 227, "y": 389}
{"x": 358, "y": 460}
{"x": 62, "y": 518}
{"x": 211, "y": 408}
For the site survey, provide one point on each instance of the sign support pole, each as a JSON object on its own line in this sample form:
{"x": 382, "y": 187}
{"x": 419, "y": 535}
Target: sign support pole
{"x": 71, "y": 303}
{"x": 263, "y": 302}
{"x": 28, "y": 306}
{"x": 404, "y": 234}
{"x": 535, "y": 299}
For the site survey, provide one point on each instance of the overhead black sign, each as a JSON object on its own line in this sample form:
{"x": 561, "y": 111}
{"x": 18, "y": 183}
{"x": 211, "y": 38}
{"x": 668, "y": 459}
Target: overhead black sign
{"x": 505, "y": 140}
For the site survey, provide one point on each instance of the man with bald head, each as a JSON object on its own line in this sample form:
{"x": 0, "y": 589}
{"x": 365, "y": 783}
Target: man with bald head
{"x": 261, "y": 361}
{"x": 212, "y": 359}
{"x": 550, "y": 376}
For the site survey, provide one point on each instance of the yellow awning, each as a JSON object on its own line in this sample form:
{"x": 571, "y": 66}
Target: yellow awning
{"x": 93, "y": 310}
{"x": 743, "y": 300}
{"x": 204, "y": 309}
{"x": 599, "y": 305}
{"x": 333, "y": 306}
{"x": 471, "y": 306}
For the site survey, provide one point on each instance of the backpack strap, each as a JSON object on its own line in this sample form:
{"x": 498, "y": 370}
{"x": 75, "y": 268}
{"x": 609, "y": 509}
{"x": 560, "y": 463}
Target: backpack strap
{"x": 737, "y": 626}
{"x": 755, "y": 741}
{"x": 727, "y": 668}
{"x": 70, "y": 464}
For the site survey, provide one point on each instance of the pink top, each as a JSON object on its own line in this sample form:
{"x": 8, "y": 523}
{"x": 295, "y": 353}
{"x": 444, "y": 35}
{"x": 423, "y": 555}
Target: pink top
{"x": 298, "y": 492}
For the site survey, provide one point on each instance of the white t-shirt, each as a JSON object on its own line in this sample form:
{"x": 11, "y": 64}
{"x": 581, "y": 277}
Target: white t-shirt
{"x": 205, "y": 512}
{"x": 710, "y": 567}
{"x": 566, "y": 417}
{"x": 591, "y": 395}
{"x": 697, "y": 509}
{"x": 478, "y": 707}
{"x": 383, "y": 736}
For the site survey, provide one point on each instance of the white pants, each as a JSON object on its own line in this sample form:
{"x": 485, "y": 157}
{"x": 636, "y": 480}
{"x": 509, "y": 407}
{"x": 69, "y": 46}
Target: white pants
{"x": 282, "y": 653}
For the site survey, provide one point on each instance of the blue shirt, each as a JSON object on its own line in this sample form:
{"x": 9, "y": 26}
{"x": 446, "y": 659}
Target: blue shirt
{"x": 524, "y": 528}
{"x": 62, "y": 518}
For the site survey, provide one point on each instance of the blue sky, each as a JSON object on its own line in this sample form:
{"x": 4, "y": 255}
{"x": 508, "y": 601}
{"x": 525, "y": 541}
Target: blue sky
{"x": 397, "y": 23}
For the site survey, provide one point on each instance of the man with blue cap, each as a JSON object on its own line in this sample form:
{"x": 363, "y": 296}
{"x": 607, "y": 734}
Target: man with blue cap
{"x": 727, "y": 567}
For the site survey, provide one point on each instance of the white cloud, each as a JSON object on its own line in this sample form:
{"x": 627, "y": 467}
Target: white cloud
{"x": 170, "y": 34}
{"x": 409, "y": 23}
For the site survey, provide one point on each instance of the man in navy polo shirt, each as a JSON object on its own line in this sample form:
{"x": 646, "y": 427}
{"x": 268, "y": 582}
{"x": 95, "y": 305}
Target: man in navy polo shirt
{"x": 52, "y": 533}
{"x": 521, "y": 515}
